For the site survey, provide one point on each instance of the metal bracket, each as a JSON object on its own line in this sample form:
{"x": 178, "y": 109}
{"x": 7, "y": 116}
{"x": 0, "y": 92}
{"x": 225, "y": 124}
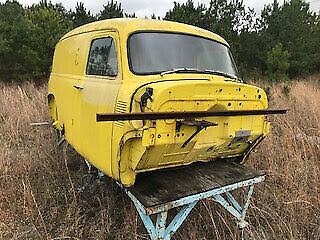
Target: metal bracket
{"x": 199, "y": 124}
{"x": 145, "y": 96}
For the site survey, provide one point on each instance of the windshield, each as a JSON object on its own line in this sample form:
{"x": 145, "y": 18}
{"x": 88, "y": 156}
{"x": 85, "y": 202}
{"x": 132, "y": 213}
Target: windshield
{"x": 157, "y": 52}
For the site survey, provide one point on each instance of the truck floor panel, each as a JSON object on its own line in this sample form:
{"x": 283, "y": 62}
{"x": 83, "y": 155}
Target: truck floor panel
{"x": 164, "y": 186}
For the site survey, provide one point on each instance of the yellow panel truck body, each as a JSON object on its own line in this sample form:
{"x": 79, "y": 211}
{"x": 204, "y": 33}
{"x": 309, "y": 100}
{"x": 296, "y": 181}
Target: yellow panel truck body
{"x": 139, "y": 65}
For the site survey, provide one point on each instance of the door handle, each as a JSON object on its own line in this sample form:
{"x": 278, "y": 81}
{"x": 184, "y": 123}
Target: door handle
{"x": 78, "y": 87}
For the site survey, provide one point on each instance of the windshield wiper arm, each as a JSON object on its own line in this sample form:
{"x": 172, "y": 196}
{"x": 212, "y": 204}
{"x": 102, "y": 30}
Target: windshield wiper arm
{"x": 208, "y": 71}
{"x": 220, "y": 73}
{"x": 174, "y": 70}
{"x": 183, "y": 70}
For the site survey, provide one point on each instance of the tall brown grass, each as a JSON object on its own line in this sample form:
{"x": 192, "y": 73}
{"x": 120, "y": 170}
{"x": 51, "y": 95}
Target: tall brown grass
{"x": 41, "y": 194}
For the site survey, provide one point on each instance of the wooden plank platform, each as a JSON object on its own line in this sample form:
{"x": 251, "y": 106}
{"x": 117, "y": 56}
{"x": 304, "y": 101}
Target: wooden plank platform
{"x": 163, "y": 186}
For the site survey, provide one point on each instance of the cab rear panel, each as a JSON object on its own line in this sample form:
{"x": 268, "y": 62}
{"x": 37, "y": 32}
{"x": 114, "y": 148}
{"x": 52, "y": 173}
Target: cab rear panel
{"x": 156, "y": 144}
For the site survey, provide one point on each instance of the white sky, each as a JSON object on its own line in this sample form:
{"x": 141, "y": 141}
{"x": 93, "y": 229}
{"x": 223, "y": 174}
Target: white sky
{"x": 144, "y": 8}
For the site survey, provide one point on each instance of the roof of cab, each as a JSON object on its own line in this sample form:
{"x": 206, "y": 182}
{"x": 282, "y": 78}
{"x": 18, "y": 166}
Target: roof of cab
{"x": 130, "y": 25}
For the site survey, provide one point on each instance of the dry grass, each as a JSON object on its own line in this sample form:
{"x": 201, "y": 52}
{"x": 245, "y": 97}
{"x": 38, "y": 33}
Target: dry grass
{"x": 39, "y": 183}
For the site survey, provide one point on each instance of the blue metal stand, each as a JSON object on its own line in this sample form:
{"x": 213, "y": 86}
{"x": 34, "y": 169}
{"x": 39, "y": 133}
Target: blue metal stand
{"x": 160, "y": 231}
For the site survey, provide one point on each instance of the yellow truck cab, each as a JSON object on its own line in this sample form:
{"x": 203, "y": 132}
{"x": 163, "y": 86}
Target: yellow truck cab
{"x": 151, "y": 66}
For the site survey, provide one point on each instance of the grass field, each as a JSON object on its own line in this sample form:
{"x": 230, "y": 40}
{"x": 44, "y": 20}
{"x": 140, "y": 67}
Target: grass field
{"x": 41, "y": 194}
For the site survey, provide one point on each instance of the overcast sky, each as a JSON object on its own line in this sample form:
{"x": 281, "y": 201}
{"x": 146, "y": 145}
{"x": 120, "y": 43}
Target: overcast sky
{"x": 144, "y": 8}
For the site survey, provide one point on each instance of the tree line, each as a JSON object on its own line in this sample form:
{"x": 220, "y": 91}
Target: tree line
{"x": 281, "y": 42}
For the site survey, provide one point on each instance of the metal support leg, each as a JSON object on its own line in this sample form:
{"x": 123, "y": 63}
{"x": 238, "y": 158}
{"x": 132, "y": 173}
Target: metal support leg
{"x": 160, "y": 232}
{"x": 178, "y": 219}
{"x": 228, "y": 207}
{"x": 246, "y": 204}
{"x": 147, "y": 222}
{"x": 233, "y": 201}
{"x": 161, "y": 225}
{"x": 234, "y": 208}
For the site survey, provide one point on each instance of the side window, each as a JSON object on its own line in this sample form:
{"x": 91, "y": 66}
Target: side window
{"x": 102, "y": 58}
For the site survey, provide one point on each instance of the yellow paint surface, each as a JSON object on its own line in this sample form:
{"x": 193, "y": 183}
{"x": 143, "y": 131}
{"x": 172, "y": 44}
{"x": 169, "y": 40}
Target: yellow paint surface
{"x": 123, "y": 149}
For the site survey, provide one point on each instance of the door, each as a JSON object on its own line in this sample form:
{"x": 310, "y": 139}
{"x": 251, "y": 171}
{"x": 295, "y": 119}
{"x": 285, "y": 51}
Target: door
{"x": 99, "y": 93}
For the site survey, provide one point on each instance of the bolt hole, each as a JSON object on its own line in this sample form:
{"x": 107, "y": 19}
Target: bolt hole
{"x": 229, "y": 104}
{"x": 159, "y": 136}
{"x": 259, "y": 96}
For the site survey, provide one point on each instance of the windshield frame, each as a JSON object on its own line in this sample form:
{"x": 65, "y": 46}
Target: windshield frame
{"x": 172, "y": 32}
